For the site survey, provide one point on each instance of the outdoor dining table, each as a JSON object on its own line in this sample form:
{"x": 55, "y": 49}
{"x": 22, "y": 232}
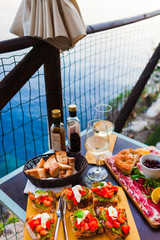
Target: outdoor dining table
{"x": 12, "y": 189}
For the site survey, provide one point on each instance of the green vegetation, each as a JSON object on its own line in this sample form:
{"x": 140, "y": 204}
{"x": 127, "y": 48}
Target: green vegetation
{"x": 148, "y": 96}
{"x": 154, "y": 137}
{"x": 12, "y": 219}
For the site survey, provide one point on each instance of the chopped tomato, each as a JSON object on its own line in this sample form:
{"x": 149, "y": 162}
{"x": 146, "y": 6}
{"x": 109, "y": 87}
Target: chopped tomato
{"x": 75, "y": 202}
{"x": 125, "y": 228}
{"x": 94, "y": 219}
{"x": 43, "y": 232}
{"x": 82, "y": 228}
{"x": 106, "y": 195}
{"x": 116, "y": 224}
{"x": 82, "y": 192}
{"x": 92, "y": 229}
{"x": 86, "y": 227}
{"x": 47, "y": 203}
{"x": 31, "y": 224}
{"x": 87, "y": 220}
{"x": 32, "y": 197}
{"x": 42, "y": 199}
{"x": 72, "y": 198}
{"x": 48, "y": 224}
{"x": 39, "y": 228}
{"x": 82, "y": 223}
{"x": 121, "y": 220}
{"x": 110, "y": 194}
{"x": 93, "y": 223}
{"x": 78, "y": 226}
{"x": 69, "y": 193}
{"x": 105, "y": 191}
{"x": 50, "y": 198}
{"x": 37, "y": 200}
{"x": 52, "y": 220}
{"x": 99, "y": 193}
{"x": 94, "y": 189}
{"x": 34, "y": 222}
{"x": 89, "y": 215}
{"x": 109, "y": 224}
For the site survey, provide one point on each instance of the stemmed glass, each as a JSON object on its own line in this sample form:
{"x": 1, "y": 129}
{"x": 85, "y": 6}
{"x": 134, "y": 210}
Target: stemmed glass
{"x": 97, "y": 142}
{"x": 104, "y": 112}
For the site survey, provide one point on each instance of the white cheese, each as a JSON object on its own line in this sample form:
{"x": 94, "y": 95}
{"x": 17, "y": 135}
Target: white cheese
{"x": 79, "y": 220}
{"x": 44, "y": 218}
{"x": 76, "y": 192}
{"x": 112, "y": 212}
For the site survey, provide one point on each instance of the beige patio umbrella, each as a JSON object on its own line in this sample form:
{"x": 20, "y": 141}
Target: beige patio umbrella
{"x": 59, "y": 22}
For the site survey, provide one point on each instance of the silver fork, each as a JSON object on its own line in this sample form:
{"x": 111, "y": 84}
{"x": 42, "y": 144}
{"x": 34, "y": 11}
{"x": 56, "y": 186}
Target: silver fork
{"x": 63, "y": 211}
{"x": 58, "y": 212}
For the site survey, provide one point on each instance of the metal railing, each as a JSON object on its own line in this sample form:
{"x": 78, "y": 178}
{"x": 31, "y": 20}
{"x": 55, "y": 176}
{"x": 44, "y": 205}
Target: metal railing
{"x": 112, "y": 64}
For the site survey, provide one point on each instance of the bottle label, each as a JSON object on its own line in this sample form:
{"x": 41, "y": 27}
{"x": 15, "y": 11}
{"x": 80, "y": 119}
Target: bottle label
{"x": 56, "y": 142}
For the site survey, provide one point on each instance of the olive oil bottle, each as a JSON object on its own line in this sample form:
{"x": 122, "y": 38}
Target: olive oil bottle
{"x": 57, "y": 132}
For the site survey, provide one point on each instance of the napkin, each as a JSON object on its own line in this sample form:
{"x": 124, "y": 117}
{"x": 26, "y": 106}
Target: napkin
{"x": 91, "y": 158}
{"x": 31, "y": 188}
{"x": 59, "y": 22}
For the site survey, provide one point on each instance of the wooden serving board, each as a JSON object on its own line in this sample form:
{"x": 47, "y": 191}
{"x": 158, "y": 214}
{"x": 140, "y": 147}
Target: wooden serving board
{"x": 152, "y": 224}
{"x": 123, "y": 203}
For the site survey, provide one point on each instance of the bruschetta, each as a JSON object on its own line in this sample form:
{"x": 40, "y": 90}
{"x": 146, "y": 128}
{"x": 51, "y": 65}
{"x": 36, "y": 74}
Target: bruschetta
{"x": 85, "y": 223}
{"x": 77, "y": 197}
{"x": 114, "y": 222}
{"x": 41, "y": 226}
{"x": 104, "y": 194}
{"x": 43, "y": 201}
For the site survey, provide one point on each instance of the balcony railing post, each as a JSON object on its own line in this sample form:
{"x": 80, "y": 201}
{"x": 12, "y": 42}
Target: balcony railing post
{"x": 52, "y": 72}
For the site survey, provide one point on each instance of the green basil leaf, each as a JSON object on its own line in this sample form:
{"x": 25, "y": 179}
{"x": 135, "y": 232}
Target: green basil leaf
{"x": 40, "y": 191}
{"x": 79, "y": 214}
{"x": 101, "y": 184}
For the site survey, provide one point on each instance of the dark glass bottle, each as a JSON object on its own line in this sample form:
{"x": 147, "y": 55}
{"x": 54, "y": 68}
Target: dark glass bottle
{"x": 73, "y": 130}
{"x": 57, "y": 132}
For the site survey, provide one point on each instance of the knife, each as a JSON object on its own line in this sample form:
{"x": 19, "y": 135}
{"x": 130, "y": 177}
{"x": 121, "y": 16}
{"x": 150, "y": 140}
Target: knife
{"x": 63, "y": 211}
{"x": 58, "y": 212}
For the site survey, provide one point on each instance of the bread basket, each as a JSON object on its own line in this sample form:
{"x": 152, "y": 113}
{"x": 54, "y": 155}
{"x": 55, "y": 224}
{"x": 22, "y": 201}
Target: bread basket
{"x": 80, "y": 165}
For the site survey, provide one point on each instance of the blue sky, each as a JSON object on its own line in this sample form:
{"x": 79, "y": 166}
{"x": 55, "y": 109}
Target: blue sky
{"x": 93, "y": 11}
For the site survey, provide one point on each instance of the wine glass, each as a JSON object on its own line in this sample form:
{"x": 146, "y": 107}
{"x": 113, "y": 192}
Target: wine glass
{"x": 104, "y": 112}
{"x": 97, "y": 142}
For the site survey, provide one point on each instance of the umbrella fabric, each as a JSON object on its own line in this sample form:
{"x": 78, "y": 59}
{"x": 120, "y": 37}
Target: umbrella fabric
{"x": 59, "y": 22}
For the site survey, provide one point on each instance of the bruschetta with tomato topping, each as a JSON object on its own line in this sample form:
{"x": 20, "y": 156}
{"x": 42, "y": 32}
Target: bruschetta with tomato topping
{"x": 114, "y": 222}
{"x": 85, "y": 223}
{"x": 41, "y": 226}
{"x": 104, "y": 194}
{"x": 43, "y": 201}
{"x": 77, "y": 197}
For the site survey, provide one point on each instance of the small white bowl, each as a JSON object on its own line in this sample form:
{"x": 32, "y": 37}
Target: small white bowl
{"x": 150, "y": 172}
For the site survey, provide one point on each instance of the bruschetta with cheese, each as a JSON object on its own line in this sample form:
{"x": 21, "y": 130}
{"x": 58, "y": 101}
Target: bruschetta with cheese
{"x": 41, "y": 226}
{"x": 114, "y": 222}
{"x": 85, "y": 223}
{"x": 43, "y": 201}
{"x": 77, "y": 197}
